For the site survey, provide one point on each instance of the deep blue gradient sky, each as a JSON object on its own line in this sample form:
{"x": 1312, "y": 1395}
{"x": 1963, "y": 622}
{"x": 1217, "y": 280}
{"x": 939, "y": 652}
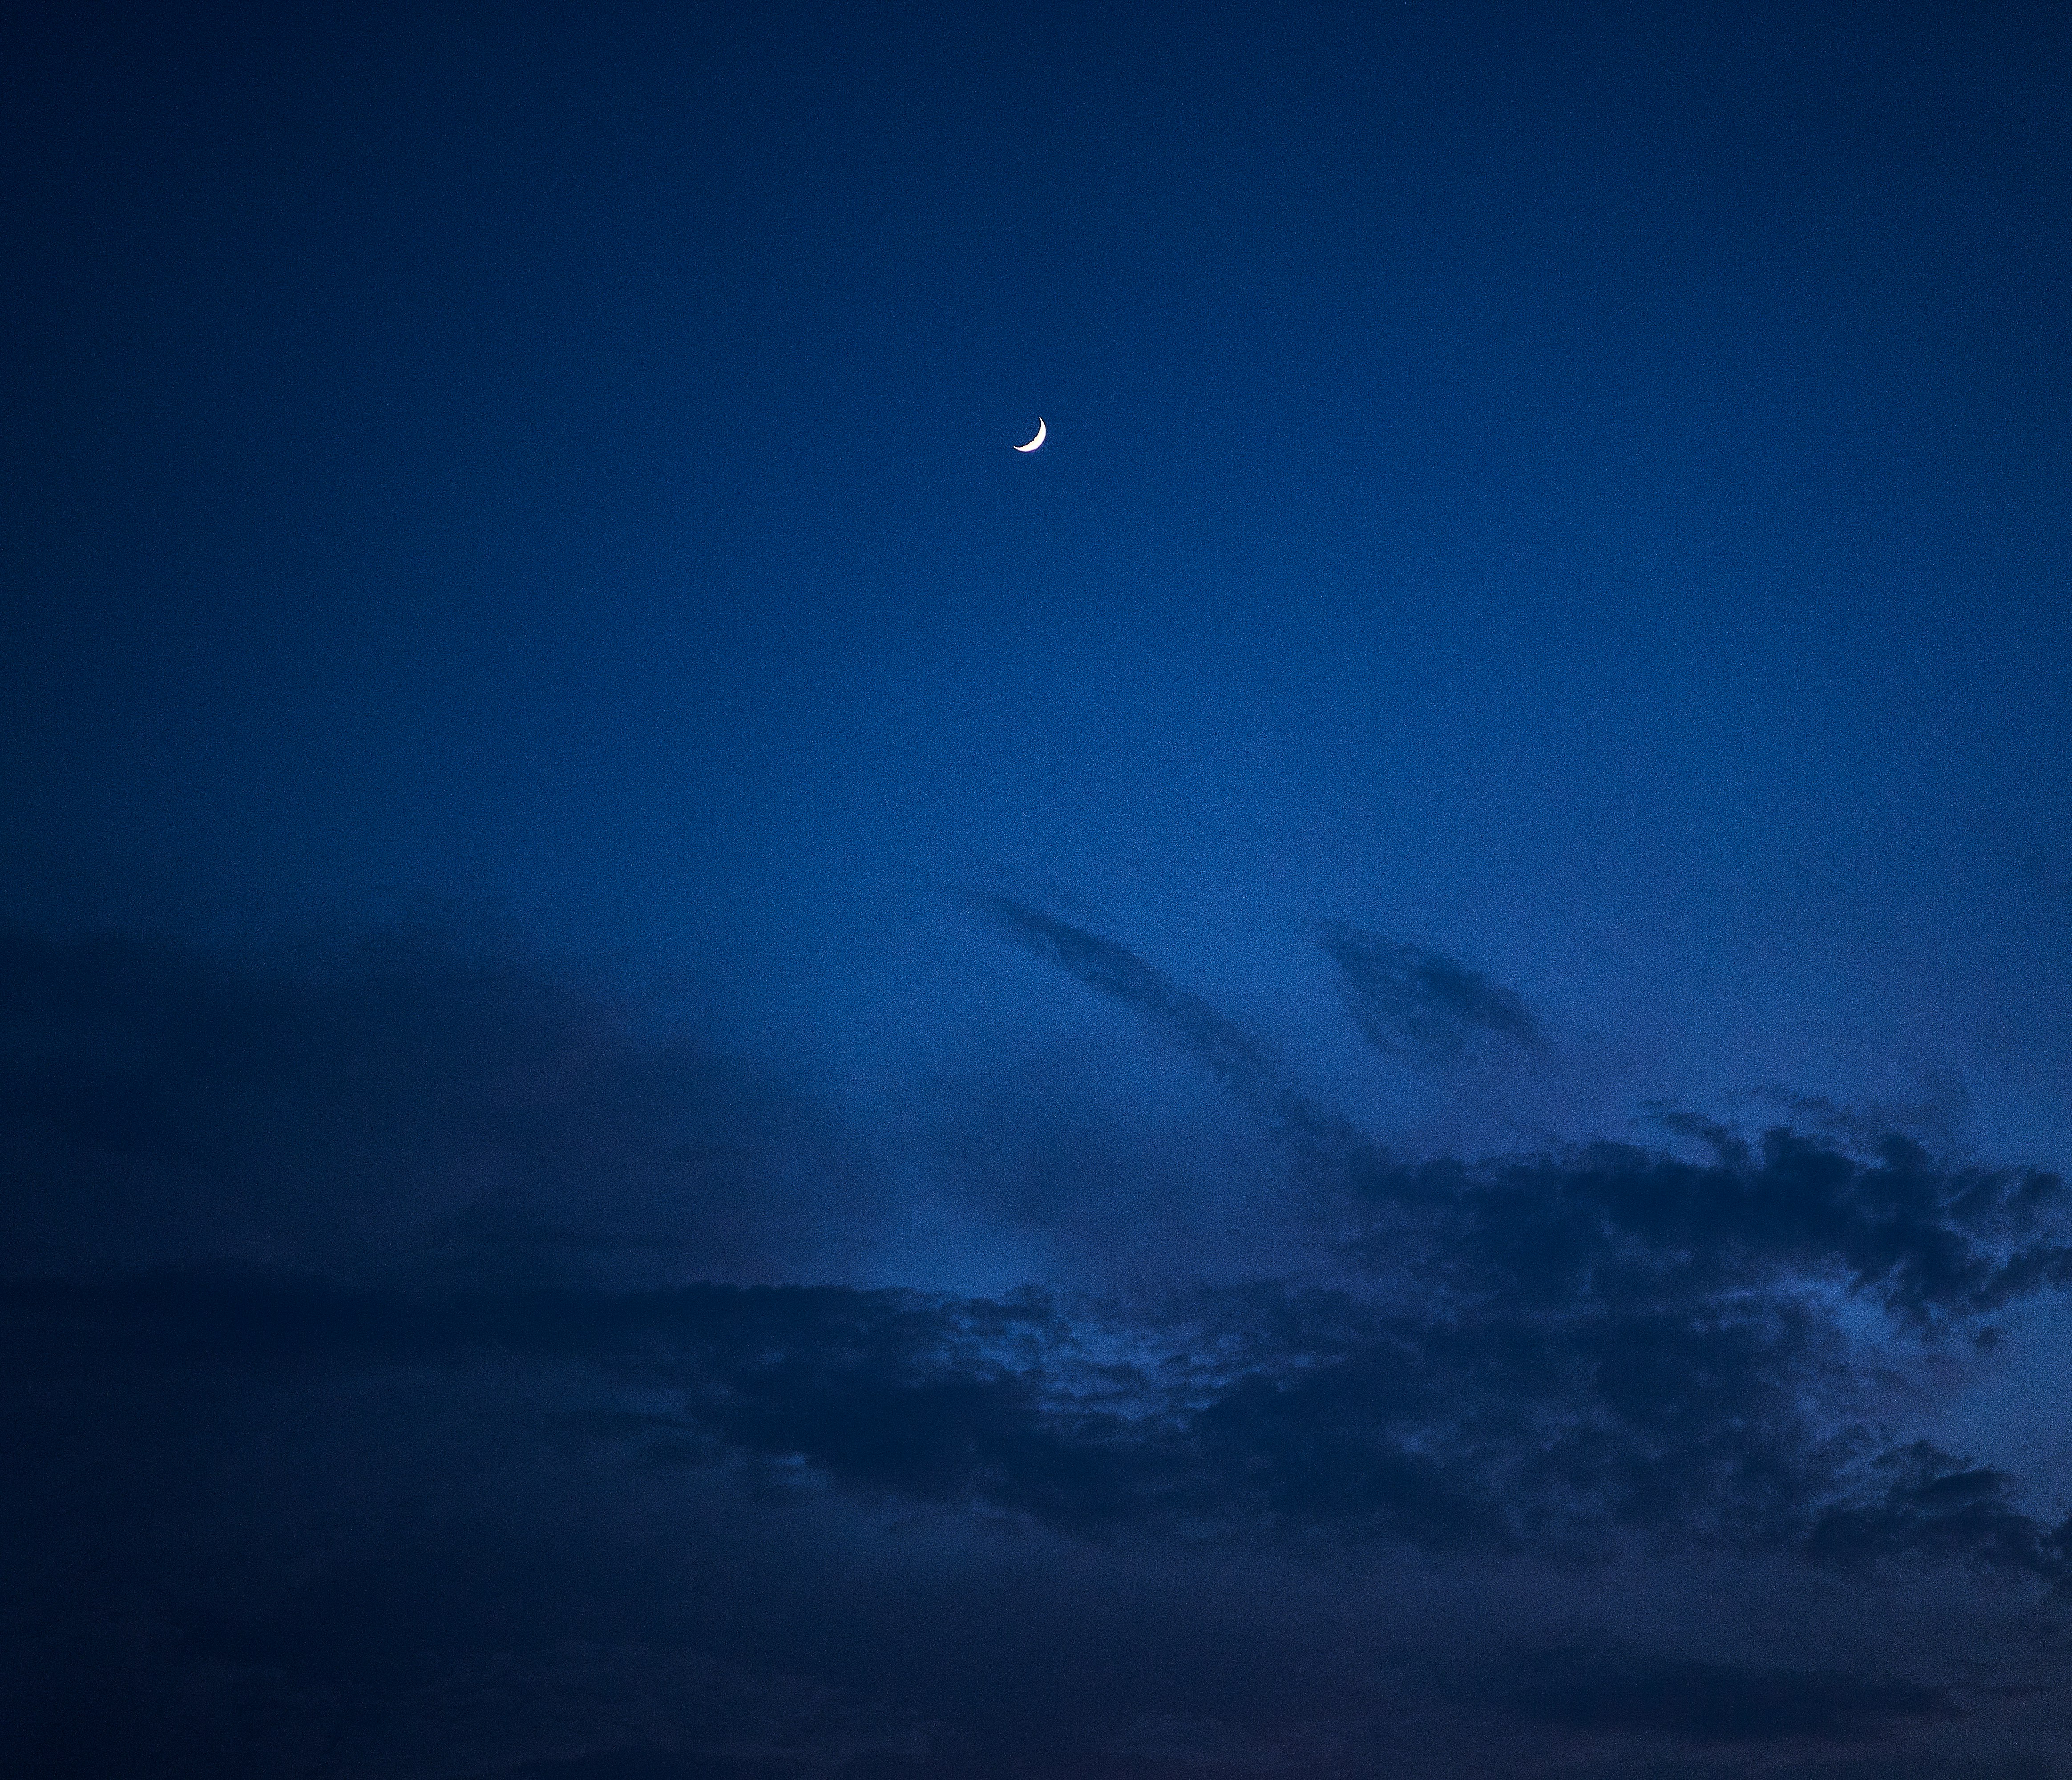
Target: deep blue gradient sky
{"x": 1582, "y": 494}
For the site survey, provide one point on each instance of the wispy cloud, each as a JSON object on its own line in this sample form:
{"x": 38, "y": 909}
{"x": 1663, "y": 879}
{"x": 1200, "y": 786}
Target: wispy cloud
{"x": 1244, "y": 1062}
{"x": 1423, "y": 1006}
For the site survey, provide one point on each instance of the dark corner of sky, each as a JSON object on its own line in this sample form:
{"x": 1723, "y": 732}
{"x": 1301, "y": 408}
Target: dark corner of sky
{"x": 1070, "y": 893}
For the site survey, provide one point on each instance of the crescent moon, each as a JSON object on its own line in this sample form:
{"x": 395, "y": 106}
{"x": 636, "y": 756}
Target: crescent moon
{"x": 1036, "y": 440}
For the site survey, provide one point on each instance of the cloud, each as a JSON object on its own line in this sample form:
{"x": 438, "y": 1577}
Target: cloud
{"x": 1935, "y": 1507}
{"x": 422, "y": 1156}
{"x": 1536, "y": 1354}
{"x": 1257, "y": 1412}
{"x": 1423, "y": 1006}
{"x": 419, "y": 1098}
{"x": 1872, "y": 1211}
{"x": 1244, "y": 1062}
{"x": 402, "y": 1348}
{"x": 1931, "y": 1242}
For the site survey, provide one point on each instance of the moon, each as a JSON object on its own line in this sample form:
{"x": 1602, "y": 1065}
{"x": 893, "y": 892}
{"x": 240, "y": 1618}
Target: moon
{"x": 1036, "y": 440}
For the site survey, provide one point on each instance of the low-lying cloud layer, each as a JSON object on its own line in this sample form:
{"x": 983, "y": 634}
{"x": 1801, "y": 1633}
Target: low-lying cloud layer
{"x": 408, "y": 1383}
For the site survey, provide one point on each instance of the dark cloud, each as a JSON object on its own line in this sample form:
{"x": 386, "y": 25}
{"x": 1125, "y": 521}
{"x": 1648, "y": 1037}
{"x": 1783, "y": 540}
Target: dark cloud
{"x": 1419, "y": 1004}
{"x": 1534, "y": 1353}
{"x": 1935, "y": 1507}
{"x": 423, "y": 1097}
{"x": 383, "y": 1404}
{"x": 1929, "y": 1242}
{"x": 1259, "y": 1411}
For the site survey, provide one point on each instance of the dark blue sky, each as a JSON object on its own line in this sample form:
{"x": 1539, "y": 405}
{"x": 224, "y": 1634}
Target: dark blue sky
{"x": 529, "y": 661}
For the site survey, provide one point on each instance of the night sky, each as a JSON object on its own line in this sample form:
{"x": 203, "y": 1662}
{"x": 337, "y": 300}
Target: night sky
{"x": 1367, "y": 1072}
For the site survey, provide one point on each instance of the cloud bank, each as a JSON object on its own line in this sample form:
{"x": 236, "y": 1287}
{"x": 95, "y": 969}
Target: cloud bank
{"x": 415, "y": 1377}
